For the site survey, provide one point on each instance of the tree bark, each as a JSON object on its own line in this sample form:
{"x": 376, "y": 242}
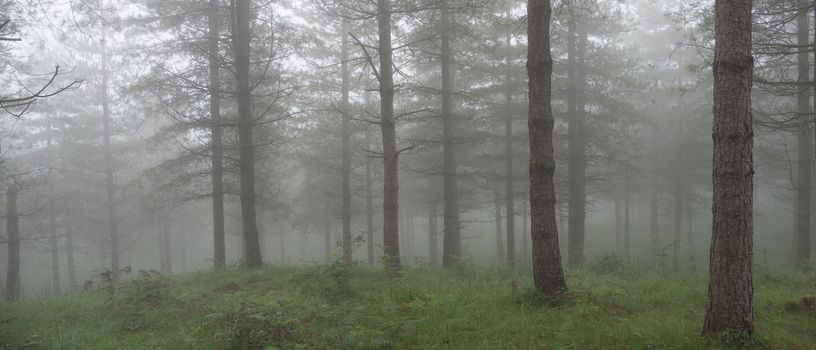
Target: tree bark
{"x": 346, "y": 147}
{"x": 13, "y": 232}
{"x": 576, "y": 140}
{"x": 547, "y": 272}
{"x": 241, "y": 44}
{"x": 216, "y": 143}
{"x": 388, "y": 126}
{"x": 804, "y": 138}
{"x": 452, "y": 240}
{"x": 730, "y": 290}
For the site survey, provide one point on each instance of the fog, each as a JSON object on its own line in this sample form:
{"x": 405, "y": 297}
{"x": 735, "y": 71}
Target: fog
{"x": 170, "y": 137}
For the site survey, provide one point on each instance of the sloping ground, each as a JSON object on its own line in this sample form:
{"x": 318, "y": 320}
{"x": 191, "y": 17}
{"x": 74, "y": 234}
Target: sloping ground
{"x": 330, "y": 307}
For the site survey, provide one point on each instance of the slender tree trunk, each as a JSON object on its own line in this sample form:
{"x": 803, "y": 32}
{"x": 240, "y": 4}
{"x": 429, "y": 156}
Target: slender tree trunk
{"x": 216, "y": 143}
{"x": 501, "y": 259}
{"x": 327, "y": 233}
{"x": 690, "y": 231}
{"x": 13, "y": 232}
{"x": 525, "y": 247}
{"x": 626, "y": 220}
{"x": 618, "y": 225}
{"x": 388, "y": 126}
{"x": 678, "y": 220}
{"x": 509, "y": 195}
{"x": 653, "y": 224}
{"x": 804, "y": 138}
{"x": 547, "y": 272}
{"x": 346, "y": 146}
{"x": 452, "y": 240}
{"x": 577, "y": 144}
{"x": 369, "y": 203}
{"x": 433, "y": 240}
{"x": 69, "y": 255}
{"x": 110, "y": 184}
{"x": 167, "y": 268}
{"x": 241, "y": 44}
{"x": 54, "y": 243}
{"x": 730, "y": 286}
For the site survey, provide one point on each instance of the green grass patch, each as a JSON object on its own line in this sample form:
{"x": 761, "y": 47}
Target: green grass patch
{"x": 334, "y": 307}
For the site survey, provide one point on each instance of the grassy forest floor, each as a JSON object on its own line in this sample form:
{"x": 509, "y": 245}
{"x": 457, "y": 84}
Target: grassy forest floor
{"x": 332, "y": 307}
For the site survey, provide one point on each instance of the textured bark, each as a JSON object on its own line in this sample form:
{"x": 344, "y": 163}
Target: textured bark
{"x": 803, "y": 187}
{"x": 509, "y": 195}
{"x": 576, "y": 140}
{"x": 391, "y": 246}
{"x": 216, "y": 143}
{"x": 13, "y": 232}
{"x": 346, "y": 147}
{"x": 547, "y": 272}
{"x": 433, "y": 240}
{"x": 241, "y": 45}
{"x": 110, "y": 184}
{"x": 452, "y": 240}
{"x": 730, "y": 290}
{"x": 69, "y": 256}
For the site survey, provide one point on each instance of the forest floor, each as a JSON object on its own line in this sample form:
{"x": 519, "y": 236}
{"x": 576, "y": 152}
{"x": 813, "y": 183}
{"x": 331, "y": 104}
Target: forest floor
{"x": 333, "y": 307}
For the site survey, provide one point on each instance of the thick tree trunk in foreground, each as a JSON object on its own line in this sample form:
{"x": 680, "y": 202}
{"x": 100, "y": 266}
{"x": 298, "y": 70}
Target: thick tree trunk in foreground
{"x": 13, "y": 232}
{"x": 547, "y": 272}
{"x": 803, "y": 187}
{"x": 452, "y": 240}
{"x": 346, "y": 147}
{"x": 391, "y": 246}
{"x": 216, "y": 143}
{"x": 241, "y": 44}
{"x": 730, "y": 289}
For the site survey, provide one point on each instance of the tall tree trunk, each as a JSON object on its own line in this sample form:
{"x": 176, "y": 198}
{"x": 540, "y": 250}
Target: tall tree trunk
{"x": 13, "y": 232}
{"x": 501, "y": 259}
{"x": 241, "y": 44}
{"x": 577, "y": 144}
{"x": 618, "y": 224}
{"x": 216, "y": 143}
{"x": 327, "y": 237}
{"x": 547, "y": 272}
{"x": 804, "y": 137}
{"x": 389, "y": 137}
{"x": 626, "y": 222}
{"x": 54, "y": 243}
{"x": 525, "y": 248}
{"x": 690, "y": 231}
{"x": 69, "y": 255}
{"x": 110, "y": 184}
{"x": 678, "y": 220}
{"x": 509, "y": 195}
{"x": 730, "y": 289}
{"x": 369, "y": 203}
{"x": 346, "y": 146}
{"x": 653, "y": 224}
{"x": 167, "y": 267}
{"x": 452, "y": 240}
{"x": 433, "y": 240}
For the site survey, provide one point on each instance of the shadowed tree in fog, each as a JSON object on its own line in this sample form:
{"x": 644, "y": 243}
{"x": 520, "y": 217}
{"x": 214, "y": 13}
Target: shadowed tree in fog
{"x": 547, "y": 272}
{"x": 730, "y": 291}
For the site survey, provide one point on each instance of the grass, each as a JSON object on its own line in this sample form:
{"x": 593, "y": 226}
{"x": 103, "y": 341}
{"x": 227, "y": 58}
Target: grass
{"x": 332, "y": 307}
